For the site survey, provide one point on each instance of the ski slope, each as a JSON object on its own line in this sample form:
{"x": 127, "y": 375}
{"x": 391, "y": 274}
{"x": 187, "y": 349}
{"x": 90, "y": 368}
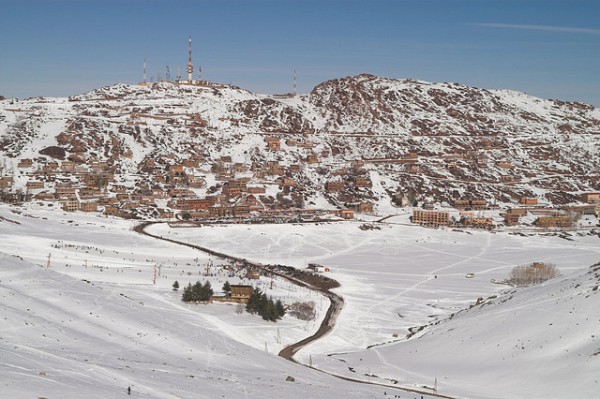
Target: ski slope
{"x": 95, "y": 321}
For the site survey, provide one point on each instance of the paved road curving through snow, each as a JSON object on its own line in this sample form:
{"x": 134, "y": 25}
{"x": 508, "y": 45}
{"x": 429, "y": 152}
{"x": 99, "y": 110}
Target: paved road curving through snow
{"x": 336, "y": 304}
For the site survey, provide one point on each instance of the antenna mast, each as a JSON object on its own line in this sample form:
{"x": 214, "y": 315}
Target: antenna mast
{"x": 200, "y": 73}
{"x": 295, "y": 91}
{"x": 168, "y": 73}
{"x": 190, "y": 66}
{"x": 144, "y": 69}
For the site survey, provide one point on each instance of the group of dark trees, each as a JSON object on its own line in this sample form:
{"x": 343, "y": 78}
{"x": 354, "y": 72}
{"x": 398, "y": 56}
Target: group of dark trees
{"x": 260, "y": 304}
{"x": 198, "y": 292}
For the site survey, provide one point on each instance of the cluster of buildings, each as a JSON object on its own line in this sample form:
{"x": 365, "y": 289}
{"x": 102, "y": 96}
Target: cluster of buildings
{"x": 269, "y": 189}
{"x": 470, "y": 213}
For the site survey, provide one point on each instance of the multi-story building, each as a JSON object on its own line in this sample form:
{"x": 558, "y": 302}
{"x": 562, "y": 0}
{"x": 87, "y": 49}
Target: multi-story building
{"x": 431, "y": 217}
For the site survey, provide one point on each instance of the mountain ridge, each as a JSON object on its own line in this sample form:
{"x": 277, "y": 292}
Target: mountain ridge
{"x": 442, "y": 141}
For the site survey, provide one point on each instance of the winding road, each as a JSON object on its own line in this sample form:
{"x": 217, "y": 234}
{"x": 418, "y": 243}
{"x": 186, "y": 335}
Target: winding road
{"x": 336, "y": 301}
{"x": 335, "y": 308}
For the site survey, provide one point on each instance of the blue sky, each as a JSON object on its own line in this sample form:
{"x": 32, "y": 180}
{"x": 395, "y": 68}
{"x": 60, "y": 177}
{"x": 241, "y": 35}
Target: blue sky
{"x": 547, "y": 48}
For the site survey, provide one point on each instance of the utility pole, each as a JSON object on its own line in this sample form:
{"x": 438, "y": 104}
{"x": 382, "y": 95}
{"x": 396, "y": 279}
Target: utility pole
{"x": 48, "y": 263}
{"x": 154, "y": 278}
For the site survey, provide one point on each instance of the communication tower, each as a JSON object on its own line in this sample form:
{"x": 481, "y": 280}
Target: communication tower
{"x": 295, "y": 91}
{"x": 190, "y": 66}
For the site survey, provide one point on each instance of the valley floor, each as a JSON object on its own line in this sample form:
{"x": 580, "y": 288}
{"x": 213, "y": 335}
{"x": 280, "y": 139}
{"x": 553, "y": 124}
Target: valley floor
{"x": 123, "y": 329}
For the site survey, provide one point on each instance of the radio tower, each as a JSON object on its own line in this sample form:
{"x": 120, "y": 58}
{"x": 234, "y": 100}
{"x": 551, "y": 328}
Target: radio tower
{"x": 178, "y": 73}
{"x": 144, "y": 69}
{"x": 200, "y": 73}
{"x": 168, "y": 73}
{"x": 294, "y": 82}
{"x": 190, "y": 66}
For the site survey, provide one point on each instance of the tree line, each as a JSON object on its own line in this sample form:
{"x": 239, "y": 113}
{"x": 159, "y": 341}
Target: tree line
{"x": 198, "y": 292}
{"x": 258, "y": 303}
{"x": 264, "y": 306}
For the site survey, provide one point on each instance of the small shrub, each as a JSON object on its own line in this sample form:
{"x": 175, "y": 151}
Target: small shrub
{"x": 303, "y": 310}
{"x": 535, "y": 273}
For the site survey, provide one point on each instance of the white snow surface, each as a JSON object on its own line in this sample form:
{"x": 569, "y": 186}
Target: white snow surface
{"x": 95, "y": 323}
{"x": 404, "y": 276}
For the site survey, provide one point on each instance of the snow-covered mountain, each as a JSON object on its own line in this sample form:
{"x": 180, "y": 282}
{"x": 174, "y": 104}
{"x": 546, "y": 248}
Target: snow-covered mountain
{"x": 533, "y": 342}
{"x": 406, "y": 138}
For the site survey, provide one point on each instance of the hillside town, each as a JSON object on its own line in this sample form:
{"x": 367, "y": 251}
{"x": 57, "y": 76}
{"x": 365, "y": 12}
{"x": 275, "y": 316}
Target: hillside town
{"x": 197, "y": 151}
{"x": 268, "y": 192}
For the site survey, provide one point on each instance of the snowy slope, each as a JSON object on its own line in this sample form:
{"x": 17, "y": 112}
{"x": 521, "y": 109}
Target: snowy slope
{"x": 536, "y": 342}
{"x": 392, "y": 279}
{"x": 62, "y": 337}
{"x": 403, "y": 277}
{"x": 497, "y": 145}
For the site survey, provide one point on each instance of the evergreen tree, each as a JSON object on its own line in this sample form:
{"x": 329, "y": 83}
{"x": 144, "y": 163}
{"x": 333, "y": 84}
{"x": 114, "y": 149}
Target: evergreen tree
{"x": 175, "y": 285}
{"x": 207, "y": 291}
{"x": 197, "y": 291}
{"x": 262, "y": 304}
{"x": 268, "y": 312}
{"x": 280, "y": 309}
{"x": 253, "y": 302}
{"x": 226, "y": 287}
{"x": 188, "y": 294}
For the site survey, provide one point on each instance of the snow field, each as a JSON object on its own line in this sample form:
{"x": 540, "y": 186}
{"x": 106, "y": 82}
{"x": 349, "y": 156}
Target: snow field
{"x": 392, "y": 279}
{"x": 401, "y": 277}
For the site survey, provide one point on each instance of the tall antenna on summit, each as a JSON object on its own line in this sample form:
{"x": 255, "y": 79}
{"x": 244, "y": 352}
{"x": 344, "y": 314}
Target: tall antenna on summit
{"x": 168, "y": 73}
{"x": 295, "y": 91}
{"x": 178, "y": 73}
{"x": 200, "y": 72}
{"x": 144, "y": 69}
{"x": 190, "y": 66}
